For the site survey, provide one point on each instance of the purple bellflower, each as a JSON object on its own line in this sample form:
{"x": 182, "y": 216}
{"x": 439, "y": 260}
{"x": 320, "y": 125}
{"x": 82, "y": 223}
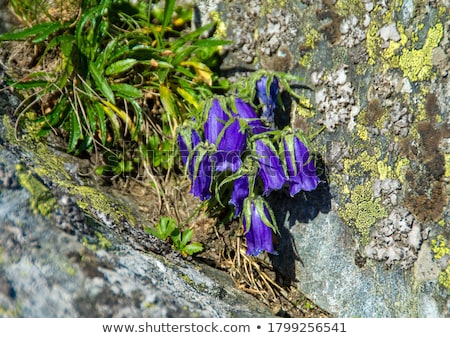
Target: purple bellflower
{"x": 267, "y": 94}
{"x": 217, "y": 118}
{"x": 270, "y": 168}
{"x": 224, "y": 131}
{"x": 187, "y": 140}
{"x": 201, "y": 174}
{"x": 246, "y": 112}
{"x": 300, "y": 167}
{"x": 257, "y": 233}
{"x": 239, "y": 194}
{"x": 231, "y": 145}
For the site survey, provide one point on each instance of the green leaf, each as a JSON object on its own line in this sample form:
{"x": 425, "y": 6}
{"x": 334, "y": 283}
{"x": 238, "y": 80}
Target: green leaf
{"x": 167, "y": 100}
{"x": 164, "y": 229}
{"x": 45, "y": 33}
{"x": 120, "y": 66}
{"x": 101, "y": 82}
{"x": 27, "y": 32}
{"x": 168, "y": 11}
{"x": 125, "y": 90}
{"x": 75, "y": 133}
{"x": 193, "y": 248}
{"x": 211, "y": 42}
{"x": 30, "y": 84}
{"x": 186, "y": 236}
{"x": 101, "y": 121}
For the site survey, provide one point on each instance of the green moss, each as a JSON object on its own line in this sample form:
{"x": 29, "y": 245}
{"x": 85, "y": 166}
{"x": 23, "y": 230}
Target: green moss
{"x": 52, "y": 166}
{"x": 41, "y": 199}
{"x": 103, "y": 242}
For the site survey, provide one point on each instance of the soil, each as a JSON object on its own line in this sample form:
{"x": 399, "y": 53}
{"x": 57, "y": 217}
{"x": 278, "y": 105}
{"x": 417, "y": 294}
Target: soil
{"x": 224, "y": 244}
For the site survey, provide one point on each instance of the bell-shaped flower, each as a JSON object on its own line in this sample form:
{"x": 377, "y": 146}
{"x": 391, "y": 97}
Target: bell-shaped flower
{"x": 200, "y": 170}
{"x": 188, "y": 139}
{"x": 231, "y": 143}
{"x": 270, "y": 167}
{"x": 239, "y": 194}
{"x": 300, "y": 167}
{"x": 258, "y": 224}
{"x": 267, "y": 94}
{"x": 217, "y": 118}
{"x": 246, "y": 112}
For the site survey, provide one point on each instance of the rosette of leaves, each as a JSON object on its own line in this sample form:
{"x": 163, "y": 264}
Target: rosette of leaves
{"x": 127, "y": 76}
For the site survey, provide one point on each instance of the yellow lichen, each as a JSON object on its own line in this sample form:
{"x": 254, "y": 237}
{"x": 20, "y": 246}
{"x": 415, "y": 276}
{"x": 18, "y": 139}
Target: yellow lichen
{"x": 400, "y": 167}
{"x": 363, "y": 211}
{"x": 348, "y": 7}
{"x": 444, "y": 278}
{"x": 384, "y": 171}
{"x": 305, "y": 108}
{"x": 439, "y": 247}
{"x": 447, "y": 165}
{"x": 221, "y": 29}
{"x": 372, "y": 42}
{"x": 416, "y": 64}
{"x": 312, "y": 35}
{"x": 361, "y": 131}
{"x": 306, "y": 59}
{"x": 41, "y": 199}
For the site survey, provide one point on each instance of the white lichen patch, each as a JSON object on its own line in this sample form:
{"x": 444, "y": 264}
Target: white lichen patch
{"x": 389, "y": 33}
{"x": 397, "y": 238}
{"x": 387, "y": 190}
{"x": 335, "y": 99}
{"x": 351, "y": 31}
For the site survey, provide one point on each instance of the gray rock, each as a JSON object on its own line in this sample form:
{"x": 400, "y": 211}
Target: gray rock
{"x": 386, "y": 137}
{"x": 68, "y": 265}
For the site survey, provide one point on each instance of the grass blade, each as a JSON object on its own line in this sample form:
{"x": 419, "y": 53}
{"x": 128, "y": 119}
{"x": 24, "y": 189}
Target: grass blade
{"x": 101, "y": 82}
{"x": 168, "y": 11}
{"x": 27, "y": 32}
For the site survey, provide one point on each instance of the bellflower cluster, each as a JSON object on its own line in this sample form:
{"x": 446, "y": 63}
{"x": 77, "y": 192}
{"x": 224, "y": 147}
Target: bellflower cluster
{"x": 236, "y": 156}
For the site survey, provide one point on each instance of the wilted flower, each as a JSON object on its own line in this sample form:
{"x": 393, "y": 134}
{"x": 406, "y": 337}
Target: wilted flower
{"x": 270, "y": 168}
{"x": 267, "y": 93}
{"x": 239, "y": 194}
{"x": 300, "y": 167}
{"x": 258, "y": 233}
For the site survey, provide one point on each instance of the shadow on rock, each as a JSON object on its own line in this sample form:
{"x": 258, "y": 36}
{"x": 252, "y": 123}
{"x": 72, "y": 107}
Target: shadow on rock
{"x": 303, "y": 207}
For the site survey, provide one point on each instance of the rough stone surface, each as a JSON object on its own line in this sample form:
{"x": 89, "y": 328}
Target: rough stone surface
{"x": 362, "y": 245}
{"x": 47, "y": 272}
{"x": 66, "y": 264}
